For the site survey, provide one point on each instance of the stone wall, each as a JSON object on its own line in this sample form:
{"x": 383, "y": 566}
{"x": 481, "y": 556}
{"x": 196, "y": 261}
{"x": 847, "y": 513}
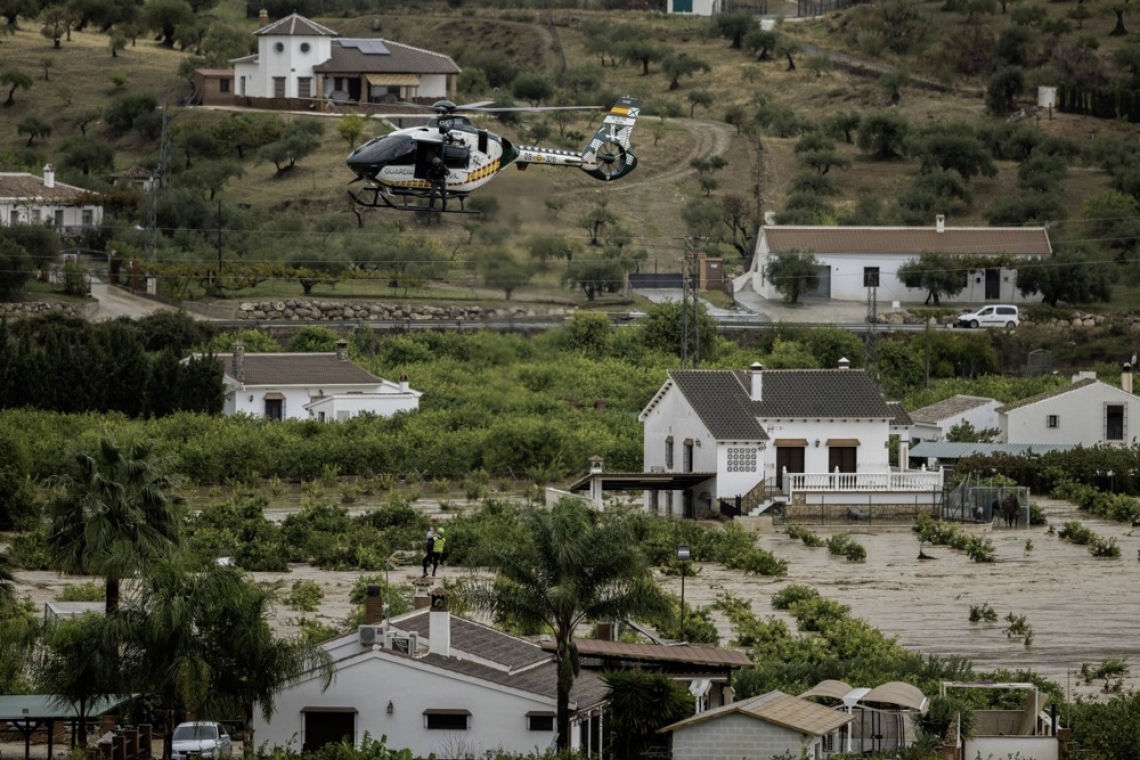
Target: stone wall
{"x": 39, "y": 308}
{"x": 1072, "y": 319}
{"x": 338, "y": 310}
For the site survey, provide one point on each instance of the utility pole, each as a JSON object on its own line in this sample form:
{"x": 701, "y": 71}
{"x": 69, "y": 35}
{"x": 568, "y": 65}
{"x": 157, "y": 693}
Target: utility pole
{"x": 871, "y": 345}
{"x": 691, "y": 304}
{"x": 159, "y": 178}
{"x": 219, "y": 244}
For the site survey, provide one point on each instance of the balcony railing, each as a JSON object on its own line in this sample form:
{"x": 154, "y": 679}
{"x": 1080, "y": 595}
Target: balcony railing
{"x": 866, "y": 482}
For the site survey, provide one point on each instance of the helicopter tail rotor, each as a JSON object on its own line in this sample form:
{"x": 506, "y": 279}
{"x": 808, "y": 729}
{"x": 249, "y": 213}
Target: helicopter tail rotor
{"x": 608, "y": 156}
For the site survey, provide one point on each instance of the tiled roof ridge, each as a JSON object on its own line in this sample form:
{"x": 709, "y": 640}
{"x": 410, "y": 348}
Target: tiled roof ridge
{"x": 948, "y": 407}
{"x": 57, "y": 186}
{"x": 1082, "y": 383}
{"x": 291, "y": 21}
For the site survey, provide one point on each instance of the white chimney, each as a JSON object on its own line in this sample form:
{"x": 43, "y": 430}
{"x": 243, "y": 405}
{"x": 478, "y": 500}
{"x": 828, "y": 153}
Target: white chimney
{"x": 439, "y": 623}
{"x": 1126, "y": 378}
{"x": 404, "y": 385}
{"x": 769, "y": 217}
{"x": 844, "y": 363}
{"x": 757, "y": 372}
{"x": 940, "y": 223}
{"x": 263, "y": 18}
{"x": 239, "y": 362}
{"x": 342, "y": 350}
{"x": 49, "y": 176}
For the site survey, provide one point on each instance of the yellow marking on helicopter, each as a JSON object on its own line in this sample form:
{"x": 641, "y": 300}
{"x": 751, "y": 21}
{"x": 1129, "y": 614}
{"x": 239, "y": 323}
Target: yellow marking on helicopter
{"x": 620, "y": 111}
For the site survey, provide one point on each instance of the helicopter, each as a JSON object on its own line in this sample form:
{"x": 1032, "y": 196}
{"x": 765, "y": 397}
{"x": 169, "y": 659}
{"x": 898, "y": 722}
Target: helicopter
{"x": 449, "y": 158}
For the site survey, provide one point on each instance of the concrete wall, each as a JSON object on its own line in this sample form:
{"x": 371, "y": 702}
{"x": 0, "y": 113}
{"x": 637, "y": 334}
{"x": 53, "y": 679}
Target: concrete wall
{"x": 1004, "y": 747}
{"x": 738, "y": 737}
{"x": 1080, "y": 417}
{"x": 344, "y": 406}
{"x": 981, "y": 417}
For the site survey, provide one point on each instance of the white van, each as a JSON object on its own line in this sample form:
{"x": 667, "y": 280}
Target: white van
{"x": 997, "y": 315}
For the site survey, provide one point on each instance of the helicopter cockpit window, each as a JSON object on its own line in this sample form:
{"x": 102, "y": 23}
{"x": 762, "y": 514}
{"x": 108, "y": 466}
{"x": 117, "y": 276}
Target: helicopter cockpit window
{"x": 396, "y": 151}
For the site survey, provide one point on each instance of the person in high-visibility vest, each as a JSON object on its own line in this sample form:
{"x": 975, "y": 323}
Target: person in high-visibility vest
{"x": 429, "y": 549}
{"x": 437, "y": 550}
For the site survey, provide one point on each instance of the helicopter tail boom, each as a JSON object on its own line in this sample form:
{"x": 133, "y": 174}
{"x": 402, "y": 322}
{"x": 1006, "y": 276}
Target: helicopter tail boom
{"x": 608, "y": 155}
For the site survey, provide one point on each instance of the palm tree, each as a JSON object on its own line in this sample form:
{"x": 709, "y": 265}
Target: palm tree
{"x": 571, "y": 566}
{"x": 197, "y": 638}
{"x": 79, "y": 663}
{"x": 118, "y": 515}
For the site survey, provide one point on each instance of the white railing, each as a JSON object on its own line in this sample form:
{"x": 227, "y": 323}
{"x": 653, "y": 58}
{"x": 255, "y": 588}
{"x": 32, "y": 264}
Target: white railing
{"x": 867, "y": 482}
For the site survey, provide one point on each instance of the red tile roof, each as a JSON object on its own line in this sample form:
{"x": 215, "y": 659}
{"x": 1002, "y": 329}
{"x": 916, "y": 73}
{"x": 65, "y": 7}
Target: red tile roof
{"x": 24, "y": 186}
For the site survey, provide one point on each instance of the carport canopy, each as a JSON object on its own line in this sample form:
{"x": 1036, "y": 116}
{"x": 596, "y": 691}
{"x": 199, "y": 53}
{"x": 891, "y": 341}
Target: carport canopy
{"x": 28, "y": 712}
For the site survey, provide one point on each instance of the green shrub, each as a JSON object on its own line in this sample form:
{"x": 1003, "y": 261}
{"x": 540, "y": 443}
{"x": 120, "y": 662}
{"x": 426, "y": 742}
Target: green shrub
{"x": 805, "y": 535}
{"x": 787, "y": 598}
{"x": 843, "y": 545}
{"x": 983, "y": 613}
{"x": 304, "y": 595}
{"x": 83, "y": 592}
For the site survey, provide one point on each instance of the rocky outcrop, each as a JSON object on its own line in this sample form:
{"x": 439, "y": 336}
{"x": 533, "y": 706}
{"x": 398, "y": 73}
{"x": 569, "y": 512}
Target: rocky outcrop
{"x": 295, "y": 310}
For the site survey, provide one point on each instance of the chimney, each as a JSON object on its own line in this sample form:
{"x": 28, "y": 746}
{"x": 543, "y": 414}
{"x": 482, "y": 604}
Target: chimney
{"x": 49, "y": 176}
{"x": 604, "y": 632}
{"x": 844, "y": 363}
{"x": 239, "y": 362}
{"x": 769, "y": 217}
{"x": 404, "y": 386}
{"x": 729, "y": 695}
{"x": 262, "y": 18}
{"x": 940, "y": 223}
{"x": 439, "y": 623}
{"x": 757, "y": 371}
{"x": 342, "y": 350}
{"x": 1126, "y": 378}
{"x": 373, "y": 606}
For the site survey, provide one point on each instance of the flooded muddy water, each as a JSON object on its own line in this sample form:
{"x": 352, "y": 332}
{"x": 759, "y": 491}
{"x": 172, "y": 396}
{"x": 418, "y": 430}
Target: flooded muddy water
{"x": 1081, "y": 609}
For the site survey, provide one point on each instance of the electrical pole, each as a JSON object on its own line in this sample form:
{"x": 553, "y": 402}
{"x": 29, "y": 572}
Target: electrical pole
{"x": 691, "y": 304}
{"x": 871, "y": 346}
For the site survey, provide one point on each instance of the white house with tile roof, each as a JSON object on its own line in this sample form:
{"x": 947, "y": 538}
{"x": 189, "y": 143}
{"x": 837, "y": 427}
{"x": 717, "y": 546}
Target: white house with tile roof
{"x": 1087, "y": 412}
{"x": 759, "y": 728}
{"x": 934, "y": 422}
{"x": 435, "y": 684}
{"x": 327, "y": 387}
{"x": 852, "y": 259}
{"x": 712, "y": 436}
{"x": 28, "y": 199}
{"x": 301, "y": 64}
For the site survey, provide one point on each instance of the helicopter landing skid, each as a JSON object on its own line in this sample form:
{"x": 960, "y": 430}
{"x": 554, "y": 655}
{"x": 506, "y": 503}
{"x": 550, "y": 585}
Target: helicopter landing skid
{"x": 379, "y": 199}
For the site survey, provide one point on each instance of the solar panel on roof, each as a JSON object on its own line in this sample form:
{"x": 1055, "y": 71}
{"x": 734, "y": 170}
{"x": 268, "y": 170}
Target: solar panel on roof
{"x": 367, "y": 47}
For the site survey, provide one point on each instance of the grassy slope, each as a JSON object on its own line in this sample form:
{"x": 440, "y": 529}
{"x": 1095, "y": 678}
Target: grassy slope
{"x": 649, "y": 201}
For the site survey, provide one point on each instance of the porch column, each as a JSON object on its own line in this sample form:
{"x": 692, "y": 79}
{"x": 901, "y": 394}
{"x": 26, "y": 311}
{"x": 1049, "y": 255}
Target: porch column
{"x": 597, "y": 468}
{"x": 904, "y": 453}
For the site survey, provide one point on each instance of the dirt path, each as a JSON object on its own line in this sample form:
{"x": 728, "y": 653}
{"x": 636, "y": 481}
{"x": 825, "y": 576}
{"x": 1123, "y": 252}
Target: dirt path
{"x": 115, "y": 302}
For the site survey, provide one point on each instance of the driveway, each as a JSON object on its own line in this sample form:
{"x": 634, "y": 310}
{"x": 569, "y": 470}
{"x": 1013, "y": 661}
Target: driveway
{"x": 115, "y": 302}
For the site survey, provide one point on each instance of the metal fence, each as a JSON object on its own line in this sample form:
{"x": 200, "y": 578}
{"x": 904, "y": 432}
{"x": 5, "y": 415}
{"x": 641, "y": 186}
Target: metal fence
{"x": 974, "y": 501}
{"x": 813, "y": 509}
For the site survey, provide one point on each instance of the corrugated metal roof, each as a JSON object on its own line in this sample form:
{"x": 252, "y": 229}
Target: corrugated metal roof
{"x": 1021, "y": 241}
{"x": 950, "y": 450}
{"x": 777, "y": 708}
{"x": 13, "y": 707}
{"x": 655, "y": 652}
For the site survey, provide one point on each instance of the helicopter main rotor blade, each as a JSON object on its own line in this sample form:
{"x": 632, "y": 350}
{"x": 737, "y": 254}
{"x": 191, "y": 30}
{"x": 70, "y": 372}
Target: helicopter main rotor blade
{"x": 525, "y": 109}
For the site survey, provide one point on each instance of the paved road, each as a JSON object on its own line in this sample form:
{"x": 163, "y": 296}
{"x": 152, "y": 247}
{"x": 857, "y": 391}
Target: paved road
{"x": 115, "y": 302}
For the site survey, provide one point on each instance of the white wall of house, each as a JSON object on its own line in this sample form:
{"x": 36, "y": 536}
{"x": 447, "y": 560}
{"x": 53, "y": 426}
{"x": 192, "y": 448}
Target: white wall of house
{"x": 738, "y": 737}
{"x": 369, "y": 681}
{"x": 344, "y": 406}
{"x": 847, "y": 272}
{"x": 981, "y": 417}
{"x": 1079, "y": 416}
{"x": 241, "y": 399}
{"x": 872, "y": 453}
{"x": 291, "y": 62}
{"x": 694, "y": 7}
{"x": 31, "y": 211}
{"x": 1037, "y": 747}
{"x": 739, "y": 466}
{"x": 673, "y": 417}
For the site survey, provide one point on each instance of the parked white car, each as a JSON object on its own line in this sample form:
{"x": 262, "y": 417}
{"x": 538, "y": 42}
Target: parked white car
{"x": 996, "y": 315}
{"x": 201, "y": 740}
